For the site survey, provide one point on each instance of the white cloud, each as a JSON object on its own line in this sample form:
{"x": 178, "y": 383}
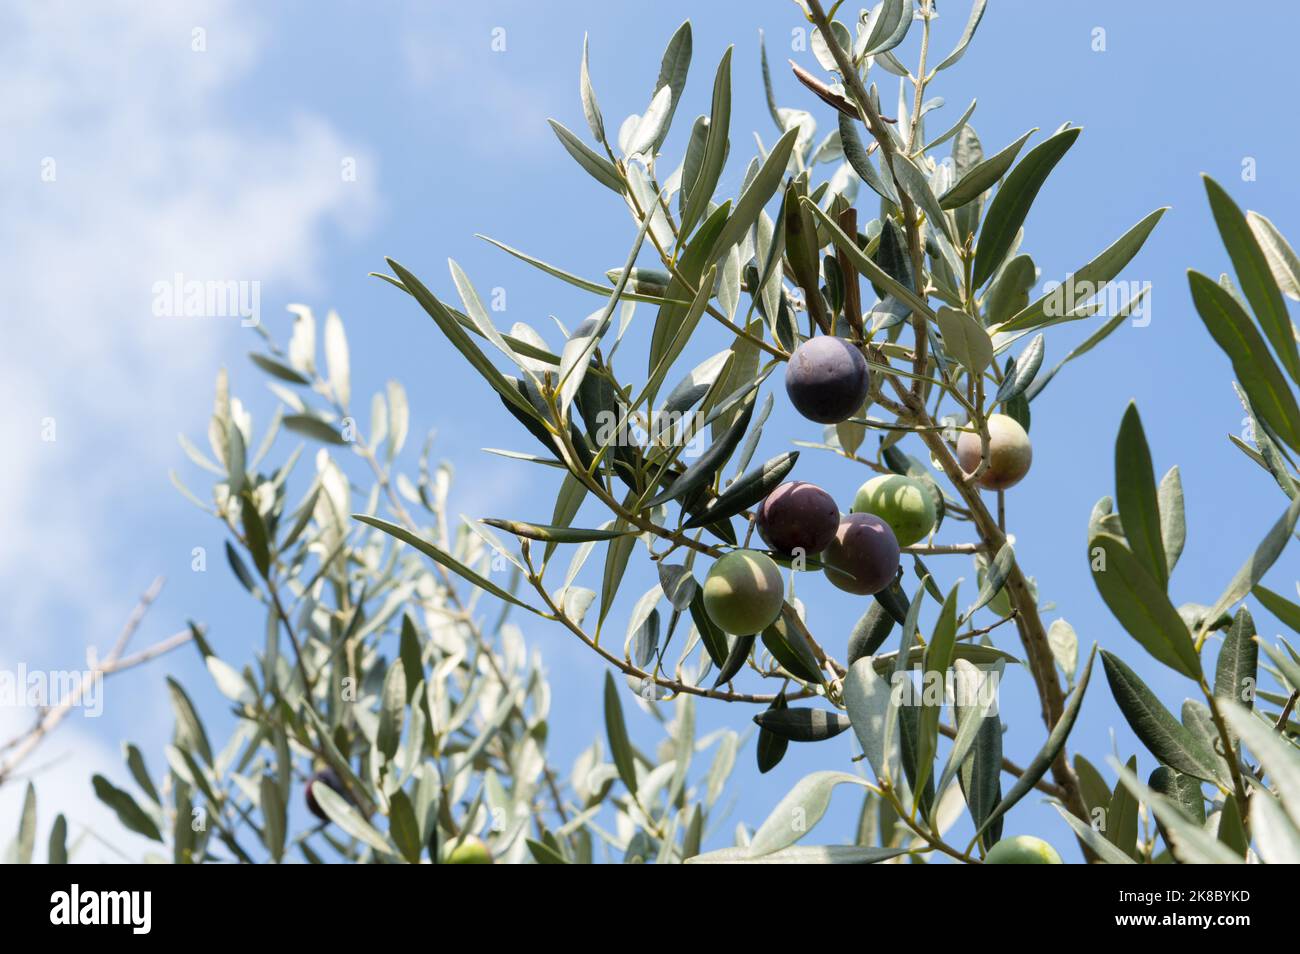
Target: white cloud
{"x": 155, "y": 171}
{"x": 157, "y": 168}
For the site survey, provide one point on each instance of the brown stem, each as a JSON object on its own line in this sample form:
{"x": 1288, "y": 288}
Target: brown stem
{"x": 1033, "y": 635}
{"x": 876, "y": 126}
{"x": 1030, "y": 625}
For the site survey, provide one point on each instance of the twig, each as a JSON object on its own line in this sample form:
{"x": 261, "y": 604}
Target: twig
{"x": 673, "y": 685}
{"x": 946, "y": 549}
{"x": 22, "y": 745}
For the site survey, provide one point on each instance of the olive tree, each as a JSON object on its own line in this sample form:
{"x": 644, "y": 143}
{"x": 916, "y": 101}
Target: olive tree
{"x": 937, "y": 358}
{"x": 400, "y": 707}
{"x": 392, "y": 714}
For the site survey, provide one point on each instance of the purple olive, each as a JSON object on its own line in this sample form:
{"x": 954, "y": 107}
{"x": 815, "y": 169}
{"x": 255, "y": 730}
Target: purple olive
{"x": 827, "y": 379}
{"x": 329, "y": 778}
{"x": 798, "y": 516}
{"x": 863, "y": 557}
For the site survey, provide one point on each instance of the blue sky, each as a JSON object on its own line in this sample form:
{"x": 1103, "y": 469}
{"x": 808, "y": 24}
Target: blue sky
{"x": 226, "y": 162}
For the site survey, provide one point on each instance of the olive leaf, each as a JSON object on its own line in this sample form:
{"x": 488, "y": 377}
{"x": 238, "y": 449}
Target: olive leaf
{"x": 1037, "y": 768}
{"x": 1122, "y": 817}
{"x": 349, "y": 819}
{"x": 1256, "y": 371}
{"x": 392, "y": 712}
{"x": 915, "y": 183}
{"x": 772, "y": 746}
{"x": 590, "y": 108}
{"x": 1100, "y": 846}
{"x": 314, "y": 427}
{"x": 554, "y": 534}
{"x": 403, "y": 828}
{"x": 1011, "y": 203}
{"x": 1064, "y": 644}
{"x": 970, "y": 695}
{"x": 1282, "y": 259}
{"x": 1278, "y": 758}
{"x": 797, "y": 813}
{"x": 967, "y": 34}
{"x": 1137, "y": 498}
{"x": 590, "y": 286}
{"x": 867, "y": 698}
{"x": 597, "y": 166}
{"x": 965, "y": 340}
{"x": 994, "y": 579}
{"x": 1182, "y": 790}
{"x": 983, "y": 176}
{"x": 980, "y": 773}
{"x": 1188, "y": 841}
{"x": 1092, "y": 787}
{"x": 1092, "y": 278}
{"x": 869, "y": 633}
{"x": 1020, "y": 375}
{"x": 746, "y": 490}
{"x": 735, "y": 659}
{"x": 1235, "y": 671}
{"x": 714, "y": 154}
{"x": 1173, "y": 519}
{"x": 1265, "y": 555}
{"x": 440, "y": 556}
{"x": 1140, "y": 604}
{"x": 1255, "y": 274}
{"x": 616, "y": 731}
{"x": 709, "y": 463}
{"x": 802, "y": 724}
{"x": 1279, "y": 606}
{"x": 787, "y": 641}
{"x": 673, "y": 67}
{"x": 937, "y": 661}
{"x": 131, "y": 815}
{"x": 756, "y": 195}
{"x": 888, "y": 28}
{"x": 856, "y": 155}
{"x": 1152, "y": 723}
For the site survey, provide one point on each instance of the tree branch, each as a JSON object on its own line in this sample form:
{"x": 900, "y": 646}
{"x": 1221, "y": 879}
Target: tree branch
{"x": 21, "y": 746}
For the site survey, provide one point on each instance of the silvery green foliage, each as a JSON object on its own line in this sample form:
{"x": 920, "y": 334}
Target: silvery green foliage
{"x": 1225, "y": 786}
{"x": 416, "y": 690}
{"x": 953, "y": 336}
